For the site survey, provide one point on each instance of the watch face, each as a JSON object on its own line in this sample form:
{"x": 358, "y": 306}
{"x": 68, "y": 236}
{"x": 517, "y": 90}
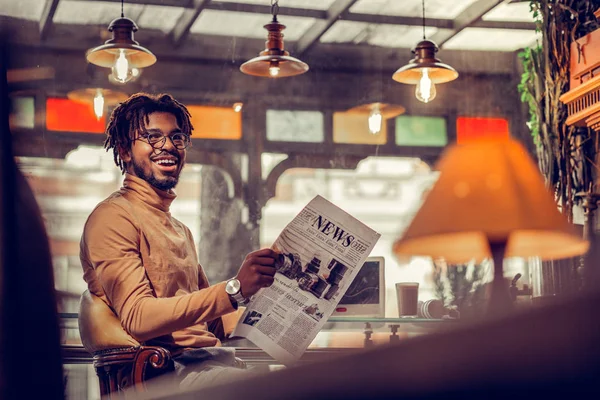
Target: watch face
{"x": 233, "y": 286}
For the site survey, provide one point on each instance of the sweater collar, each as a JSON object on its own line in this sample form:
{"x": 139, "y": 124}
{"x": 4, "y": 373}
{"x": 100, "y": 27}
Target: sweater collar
{"x": 147, "y": 193}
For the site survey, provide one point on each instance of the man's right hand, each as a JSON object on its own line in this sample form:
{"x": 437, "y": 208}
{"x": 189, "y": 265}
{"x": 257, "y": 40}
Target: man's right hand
{"x": 257, "y": 271}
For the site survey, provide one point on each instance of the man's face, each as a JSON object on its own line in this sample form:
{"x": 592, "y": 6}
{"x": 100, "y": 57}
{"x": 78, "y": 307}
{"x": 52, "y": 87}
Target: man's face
{"x": 158, "y": 167}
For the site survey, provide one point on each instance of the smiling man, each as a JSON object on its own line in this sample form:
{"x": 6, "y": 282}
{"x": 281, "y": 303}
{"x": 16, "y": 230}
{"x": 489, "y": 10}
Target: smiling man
{"x": 142, "y": 262}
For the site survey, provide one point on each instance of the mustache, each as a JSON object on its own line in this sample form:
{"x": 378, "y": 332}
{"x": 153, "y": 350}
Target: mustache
{"x": 164, "y": 153}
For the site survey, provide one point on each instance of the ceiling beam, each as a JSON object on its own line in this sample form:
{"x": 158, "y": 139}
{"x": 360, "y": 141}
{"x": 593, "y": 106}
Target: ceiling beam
{"x": 467, "y": 18}
{"x": 47, "y": 17}
{"x": 229, "y": 6}
{"x": 398, "y": 20}
{"x": 522, "y": 25}
{"x": 318, "y": 29}
{"x": 442, "y": 23}
{"x": 183, "y": 25}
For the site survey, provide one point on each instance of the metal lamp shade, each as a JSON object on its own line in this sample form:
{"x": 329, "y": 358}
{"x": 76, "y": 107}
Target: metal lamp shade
{"x": 87, "y": 95}
{"x": 106, "y": 54}
{"x": 259, "y": 66}
{"x": 425, "y": 58}
{"x": 274, "y": 53}
{"x": 387, "y": 110}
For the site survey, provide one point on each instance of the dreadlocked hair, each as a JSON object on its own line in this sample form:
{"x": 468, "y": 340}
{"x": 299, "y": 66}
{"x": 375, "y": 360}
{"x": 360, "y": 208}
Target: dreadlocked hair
{"x": 129, "y": 118}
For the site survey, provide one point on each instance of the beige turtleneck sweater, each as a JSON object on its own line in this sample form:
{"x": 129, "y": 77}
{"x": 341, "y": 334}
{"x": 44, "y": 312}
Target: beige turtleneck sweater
{"x": 142, "y": 262}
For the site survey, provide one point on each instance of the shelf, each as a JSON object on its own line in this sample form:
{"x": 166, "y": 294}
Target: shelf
{"x": 405, "y": 320}
{"x": 339, "y": 335}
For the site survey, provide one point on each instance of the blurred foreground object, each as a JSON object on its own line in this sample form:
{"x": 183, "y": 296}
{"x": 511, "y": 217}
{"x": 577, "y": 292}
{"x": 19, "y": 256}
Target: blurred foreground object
{"x": 549, "y": 352}
{"x": 490, "y": 202}
{"x": 30, "y": 360}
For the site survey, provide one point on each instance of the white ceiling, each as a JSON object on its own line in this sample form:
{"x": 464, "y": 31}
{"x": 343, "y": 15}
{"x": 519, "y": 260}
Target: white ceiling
{"x": 503, "y": 39}
{"x": 26, "y": 9}
{"x": 510, "y": 12}
{"x": 398, "y": 36}
{"x": 213, "y": 22}
{"x": 314, "y": 4}
{"x": 242, "y": 24}
{"x": 412, "y": 8}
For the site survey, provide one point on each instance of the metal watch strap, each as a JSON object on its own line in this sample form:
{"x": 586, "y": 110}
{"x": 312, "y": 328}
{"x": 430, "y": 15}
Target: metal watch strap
{"x": 239, "y": 298}
{"x": 235, "y": 285}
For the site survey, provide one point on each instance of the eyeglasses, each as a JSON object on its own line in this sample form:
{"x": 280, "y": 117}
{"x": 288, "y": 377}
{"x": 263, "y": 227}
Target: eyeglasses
{"x": 158, "y": 140}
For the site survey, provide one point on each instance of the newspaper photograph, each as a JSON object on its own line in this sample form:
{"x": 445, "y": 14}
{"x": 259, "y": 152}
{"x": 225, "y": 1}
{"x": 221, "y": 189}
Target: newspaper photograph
{"x": 321, "y": 251}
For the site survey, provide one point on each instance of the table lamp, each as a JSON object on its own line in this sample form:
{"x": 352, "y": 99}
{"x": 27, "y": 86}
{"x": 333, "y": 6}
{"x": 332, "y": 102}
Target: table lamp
{"x": 490, "y": 201}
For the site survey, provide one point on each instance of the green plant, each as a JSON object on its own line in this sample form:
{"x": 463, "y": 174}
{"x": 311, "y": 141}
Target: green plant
{"x": 529, "y": 58}
{"x": 461, "y": 285}
{"x": 565, "y": 154}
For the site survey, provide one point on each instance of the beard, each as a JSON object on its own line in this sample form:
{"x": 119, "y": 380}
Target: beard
{"x": 165, "y": 184}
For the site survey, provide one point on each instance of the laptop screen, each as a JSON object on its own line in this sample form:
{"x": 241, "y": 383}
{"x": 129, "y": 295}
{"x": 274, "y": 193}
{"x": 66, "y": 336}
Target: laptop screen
{"x": 366, "y": 294}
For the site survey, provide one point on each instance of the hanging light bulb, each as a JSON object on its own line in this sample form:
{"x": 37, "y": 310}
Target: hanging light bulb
{"x": 274, "y": 61}
{"x": 425, "y": 90}
{"x": 375, "y": 120}
{"x": 425, "y": 70}
{"x": 274, "y": 69}
{"x": 237, "y": 107}
{"x": 376, "y": 114}
{"x": 121, "y": 53}
{"x": 98, "y": 98}
{"x": 99, "y": 104}
{"x": 135, "y": 74}
{"x": 121, "y": 70}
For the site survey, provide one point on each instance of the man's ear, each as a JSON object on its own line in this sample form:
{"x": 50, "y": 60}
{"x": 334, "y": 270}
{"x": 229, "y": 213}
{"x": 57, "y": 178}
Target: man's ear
{"x": 125, "y": 154}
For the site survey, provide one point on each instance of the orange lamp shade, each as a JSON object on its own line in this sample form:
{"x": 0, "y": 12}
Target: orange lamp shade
{"x": 489, "y": 192}
{"x": 470, "y": 129}
{"x": 72, "y": 116}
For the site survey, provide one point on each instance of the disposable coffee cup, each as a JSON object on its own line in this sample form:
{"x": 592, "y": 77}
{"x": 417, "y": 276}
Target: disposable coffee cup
{"x": 408, "y": 299}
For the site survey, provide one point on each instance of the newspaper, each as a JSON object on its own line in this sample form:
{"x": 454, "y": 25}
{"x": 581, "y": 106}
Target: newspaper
{"x": 321, "y": 251}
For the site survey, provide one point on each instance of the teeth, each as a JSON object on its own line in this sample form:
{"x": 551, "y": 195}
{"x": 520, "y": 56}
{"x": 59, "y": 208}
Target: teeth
{"x": 166, "y": 162}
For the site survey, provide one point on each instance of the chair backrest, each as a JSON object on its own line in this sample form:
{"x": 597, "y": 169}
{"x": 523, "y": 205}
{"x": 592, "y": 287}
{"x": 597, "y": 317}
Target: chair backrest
{"x": 99, "y": 327}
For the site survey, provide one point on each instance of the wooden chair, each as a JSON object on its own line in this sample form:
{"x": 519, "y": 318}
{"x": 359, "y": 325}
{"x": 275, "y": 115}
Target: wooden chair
{"x": 120, "y": 361}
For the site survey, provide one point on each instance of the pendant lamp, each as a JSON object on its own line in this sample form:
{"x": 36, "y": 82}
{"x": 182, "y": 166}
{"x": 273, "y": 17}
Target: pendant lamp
{"x": 377, "y": 113}
{"x": 121, "y": 53}
{"x": 425, "y": 70}
{"x": 98, "y": 97}
{"x": 274, "y": 61}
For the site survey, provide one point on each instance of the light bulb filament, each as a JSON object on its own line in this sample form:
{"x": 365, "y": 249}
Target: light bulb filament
{"x": 122, "y": 70}
{"x": 274, "y": 69}
{"x": 99, "y": 104}
{"x": 425, "y": 84}
{"x": 375, "y": 120}
{"x": 425, "y": 90}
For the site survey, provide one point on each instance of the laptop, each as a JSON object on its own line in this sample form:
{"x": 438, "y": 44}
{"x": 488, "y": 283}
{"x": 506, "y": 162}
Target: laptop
{"x": 366, "y": 295}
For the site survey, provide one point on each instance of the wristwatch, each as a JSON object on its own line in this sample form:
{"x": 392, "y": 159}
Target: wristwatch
{"x": 234, "y": 289}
